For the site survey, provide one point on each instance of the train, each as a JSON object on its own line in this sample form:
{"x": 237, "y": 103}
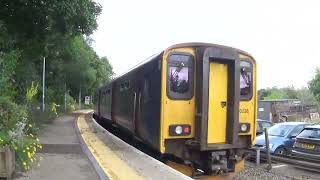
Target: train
{"x": 193, "y": 101}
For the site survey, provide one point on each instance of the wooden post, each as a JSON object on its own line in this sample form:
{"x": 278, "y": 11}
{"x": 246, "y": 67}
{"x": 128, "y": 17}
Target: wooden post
{"x": 258, "y": 157}
{"x": 7, "y": 162}
{"x": 269, "y": 167}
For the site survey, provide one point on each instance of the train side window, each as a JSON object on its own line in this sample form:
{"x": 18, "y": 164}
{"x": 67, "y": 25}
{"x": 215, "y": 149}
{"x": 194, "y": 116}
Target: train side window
{"x": 246, "y": 80}
{"x": 121, "y": 87}
{"x": 127, "y": 84}
{"x": 180, "y": 76}
{"x": 146, "y": 91}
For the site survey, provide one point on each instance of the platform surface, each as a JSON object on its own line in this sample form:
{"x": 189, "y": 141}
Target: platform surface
{"x": 62, "y": 157}
{"x": 118, "y": 159}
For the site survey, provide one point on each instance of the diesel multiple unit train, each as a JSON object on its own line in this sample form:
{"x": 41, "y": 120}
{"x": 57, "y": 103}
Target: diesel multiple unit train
{"x": 194, "y": 101}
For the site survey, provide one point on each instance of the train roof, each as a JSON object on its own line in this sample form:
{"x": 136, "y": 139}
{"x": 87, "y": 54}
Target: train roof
{"x": 200, "y": 44}
{"x": 180, "y": 45}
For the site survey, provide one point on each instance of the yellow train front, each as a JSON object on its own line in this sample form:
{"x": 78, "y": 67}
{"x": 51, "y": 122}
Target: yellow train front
{"x": 195, "y": 102}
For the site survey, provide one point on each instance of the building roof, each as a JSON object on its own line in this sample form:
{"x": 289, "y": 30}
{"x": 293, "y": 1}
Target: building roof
{"x": 278, "y": 100}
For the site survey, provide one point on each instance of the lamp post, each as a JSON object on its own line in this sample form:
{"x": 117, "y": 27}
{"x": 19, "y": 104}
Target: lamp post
{"x": 43, "y": 82}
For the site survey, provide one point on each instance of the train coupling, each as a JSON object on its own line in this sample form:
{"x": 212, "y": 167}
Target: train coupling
{"x": 218, "y": 163}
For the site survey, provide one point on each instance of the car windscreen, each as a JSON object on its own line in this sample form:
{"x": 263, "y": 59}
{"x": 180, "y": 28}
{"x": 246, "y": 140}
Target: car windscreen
{"x": 280, "y": 130}
{"x": 310, "y": 133}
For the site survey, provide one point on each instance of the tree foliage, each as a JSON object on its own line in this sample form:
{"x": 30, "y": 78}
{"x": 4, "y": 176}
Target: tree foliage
{"x": 303, "y": 94}
{"x": 314, "y": 85}
{"x": 59, "y": 31}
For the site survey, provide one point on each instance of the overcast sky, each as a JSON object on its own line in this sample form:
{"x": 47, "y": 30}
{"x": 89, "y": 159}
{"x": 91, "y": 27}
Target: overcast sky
{"x": 283, "y": 36}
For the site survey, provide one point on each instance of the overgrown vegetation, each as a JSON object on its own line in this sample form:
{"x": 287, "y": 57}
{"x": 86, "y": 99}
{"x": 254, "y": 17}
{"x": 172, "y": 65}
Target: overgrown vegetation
{"x": 59, "y": 32}
{"x": 308, "y": 96}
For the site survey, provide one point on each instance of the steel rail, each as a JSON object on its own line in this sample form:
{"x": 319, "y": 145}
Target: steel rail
{"x": 299, "y": 162}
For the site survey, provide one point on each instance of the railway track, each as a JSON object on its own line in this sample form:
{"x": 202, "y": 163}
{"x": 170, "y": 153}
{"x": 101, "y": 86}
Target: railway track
{"x": 295, "y": 161}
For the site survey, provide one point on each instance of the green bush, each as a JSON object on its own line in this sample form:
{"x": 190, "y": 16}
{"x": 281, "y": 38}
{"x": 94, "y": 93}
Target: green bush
{"x": 17, "y": 132}
{"x": 71, "y": 104}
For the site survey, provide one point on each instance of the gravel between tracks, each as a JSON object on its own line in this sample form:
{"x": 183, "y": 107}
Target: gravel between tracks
{"x": 252, "y": 172}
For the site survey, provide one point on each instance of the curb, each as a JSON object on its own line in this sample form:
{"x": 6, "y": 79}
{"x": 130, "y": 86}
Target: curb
{"x": 102, "y": 175}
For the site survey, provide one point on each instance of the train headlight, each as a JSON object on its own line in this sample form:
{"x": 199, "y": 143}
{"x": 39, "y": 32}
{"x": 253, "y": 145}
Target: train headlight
{"x": 180, "y": 130}
{"x": 244, "y": 127}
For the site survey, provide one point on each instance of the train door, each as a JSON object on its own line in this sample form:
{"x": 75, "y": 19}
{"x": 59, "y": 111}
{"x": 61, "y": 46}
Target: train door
{"x": 219, "y": 99}
{"x": 217, "y": 112}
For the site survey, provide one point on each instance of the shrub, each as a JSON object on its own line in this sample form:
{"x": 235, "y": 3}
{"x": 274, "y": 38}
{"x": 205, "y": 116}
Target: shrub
{"x": 71, "y": 104}
{"x": 17, "y": 133}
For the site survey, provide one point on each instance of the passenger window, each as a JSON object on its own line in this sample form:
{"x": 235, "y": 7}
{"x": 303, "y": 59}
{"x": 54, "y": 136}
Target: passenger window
{"x": 146, "y": 91}
{"x": 245, "y": 80}
{"x": 180, "y": 76}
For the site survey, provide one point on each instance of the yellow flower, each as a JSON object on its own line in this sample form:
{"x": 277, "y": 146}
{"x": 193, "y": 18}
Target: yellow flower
{"x": 31, "y": 135}
{"x": 24, "y": 163}
{"x": 29, "y": 155}
{"x": 30, "y": 125}
{"x": 37, "y": 139}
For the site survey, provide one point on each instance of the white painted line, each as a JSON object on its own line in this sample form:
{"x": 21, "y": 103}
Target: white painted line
{"x": 279, "y": 166}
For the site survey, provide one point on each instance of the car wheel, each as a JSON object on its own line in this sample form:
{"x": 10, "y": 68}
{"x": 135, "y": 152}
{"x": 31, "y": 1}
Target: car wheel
{"x": 281, "y": 151}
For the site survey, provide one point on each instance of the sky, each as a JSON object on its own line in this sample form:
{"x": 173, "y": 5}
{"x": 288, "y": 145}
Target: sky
{"x": 283, "y": 36}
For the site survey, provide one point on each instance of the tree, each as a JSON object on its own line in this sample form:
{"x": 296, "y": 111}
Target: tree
{"x": 314, "y": 85}
{"x": 271, "y": 93}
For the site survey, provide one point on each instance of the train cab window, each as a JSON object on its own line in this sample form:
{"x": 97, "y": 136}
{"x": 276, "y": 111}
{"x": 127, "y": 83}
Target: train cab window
{"x": 180, "y": 76}
{"x": 245, "y": 80}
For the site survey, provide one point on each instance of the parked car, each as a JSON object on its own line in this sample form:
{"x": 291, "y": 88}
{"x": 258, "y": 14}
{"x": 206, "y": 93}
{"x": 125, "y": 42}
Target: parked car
{"x": 281, "y": 137}
{"x": 307, "y": 143}
{"x": 261, "y": 124}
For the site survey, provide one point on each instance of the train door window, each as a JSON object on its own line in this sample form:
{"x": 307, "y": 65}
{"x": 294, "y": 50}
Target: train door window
{"x": 180, "y": 76}
{"x": 246, "y": 80}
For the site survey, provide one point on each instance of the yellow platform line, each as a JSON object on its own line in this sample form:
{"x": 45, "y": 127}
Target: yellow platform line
{"x": 110, "y": 162}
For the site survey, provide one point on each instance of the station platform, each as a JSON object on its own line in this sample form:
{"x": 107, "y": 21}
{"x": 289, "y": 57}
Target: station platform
{"x": 77, "y": 147}
{"x": 115, "y": 159}
{"x": 61, "y": 156}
